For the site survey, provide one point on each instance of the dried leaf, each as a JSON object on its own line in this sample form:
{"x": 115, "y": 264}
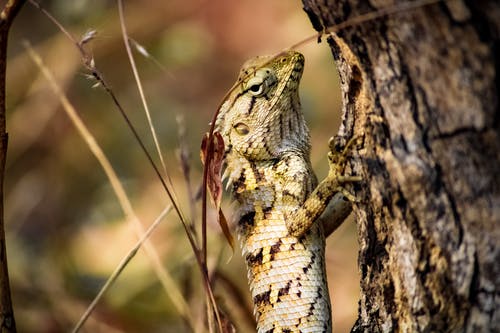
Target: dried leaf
{"x": 214, "y": 179}
{"x": 203, "y": 149}
{"x": 227, "y": 325}
{"x": 225, "y": 229}
{"x": 215, "y": 152}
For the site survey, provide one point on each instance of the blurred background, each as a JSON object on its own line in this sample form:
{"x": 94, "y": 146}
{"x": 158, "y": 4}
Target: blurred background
{"x": 66, "y": 231}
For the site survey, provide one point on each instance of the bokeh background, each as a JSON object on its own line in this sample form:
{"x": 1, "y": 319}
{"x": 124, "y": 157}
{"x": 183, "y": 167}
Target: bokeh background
{"x": 66, "y": 231}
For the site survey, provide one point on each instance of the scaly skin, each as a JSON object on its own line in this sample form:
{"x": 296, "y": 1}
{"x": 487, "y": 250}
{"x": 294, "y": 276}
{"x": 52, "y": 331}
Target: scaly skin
{"x": 279, "y": 200}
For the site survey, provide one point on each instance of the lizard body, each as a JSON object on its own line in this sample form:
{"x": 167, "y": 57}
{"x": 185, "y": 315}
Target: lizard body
{"x": 279, "y": 200}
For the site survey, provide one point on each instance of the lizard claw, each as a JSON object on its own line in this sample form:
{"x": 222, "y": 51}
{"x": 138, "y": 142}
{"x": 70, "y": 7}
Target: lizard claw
{"x": 348, "y": 195}
{"x": 338, "y": 160}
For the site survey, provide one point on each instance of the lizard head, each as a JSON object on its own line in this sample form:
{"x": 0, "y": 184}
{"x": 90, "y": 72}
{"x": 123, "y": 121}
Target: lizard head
{"x": 261, "y": 118}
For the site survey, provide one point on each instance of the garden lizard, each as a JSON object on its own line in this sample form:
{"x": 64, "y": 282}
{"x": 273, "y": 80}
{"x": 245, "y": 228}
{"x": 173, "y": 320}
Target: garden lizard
{"x": 279, "y": 201}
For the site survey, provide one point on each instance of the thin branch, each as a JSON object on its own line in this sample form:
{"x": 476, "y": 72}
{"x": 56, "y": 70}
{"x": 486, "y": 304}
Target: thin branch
{"x": 9, "y": 13}
{"x": 382, "y": 12}
{"x": 7, "y": 16}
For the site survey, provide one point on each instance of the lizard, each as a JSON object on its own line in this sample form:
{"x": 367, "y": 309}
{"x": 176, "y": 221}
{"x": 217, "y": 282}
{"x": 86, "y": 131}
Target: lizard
{"x": 279, "y": 203}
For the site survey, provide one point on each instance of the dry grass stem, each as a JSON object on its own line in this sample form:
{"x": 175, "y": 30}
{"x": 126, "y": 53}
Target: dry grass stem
{"x": 126, "y": 42}
{"x": 164, "y": 276}
{"x": 210, "y": 298}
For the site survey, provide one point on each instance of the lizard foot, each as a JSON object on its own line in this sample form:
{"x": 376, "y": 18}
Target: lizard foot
{"x": 338, "y": 160}
{"x": 348, "y": 195}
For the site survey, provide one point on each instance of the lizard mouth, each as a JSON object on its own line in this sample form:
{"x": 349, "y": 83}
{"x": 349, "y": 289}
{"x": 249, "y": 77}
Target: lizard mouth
{"x": 290, "y": 78}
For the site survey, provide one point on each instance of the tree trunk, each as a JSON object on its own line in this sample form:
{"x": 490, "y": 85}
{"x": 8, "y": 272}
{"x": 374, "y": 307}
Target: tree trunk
{"x": 421, "y": 88}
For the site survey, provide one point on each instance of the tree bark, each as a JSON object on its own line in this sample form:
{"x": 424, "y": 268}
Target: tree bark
{"x": 421, "y": 88}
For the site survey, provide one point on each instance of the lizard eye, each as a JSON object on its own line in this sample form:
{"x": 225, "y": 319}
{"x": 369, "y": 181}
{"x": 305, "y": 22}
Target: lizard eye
{"x": 256, "y": 89}
{"x": 241, "y": 129}
{"x": 256, "y": 86}
{"x": 260, "y": 84}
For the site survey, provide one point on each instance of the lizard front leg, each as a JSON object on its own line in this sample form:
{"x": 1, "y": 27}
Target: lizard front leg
{"x": 329, "y": 203}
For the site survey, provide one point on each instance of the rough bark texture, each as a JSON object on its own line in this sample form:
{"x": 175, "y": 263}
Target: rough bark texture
{"x": 421, "y": 88}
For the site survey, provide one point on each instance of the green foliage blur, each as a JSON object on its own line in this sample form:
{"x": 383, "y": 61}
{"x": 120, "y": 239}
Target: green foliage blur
{"x": 66, "y": 231}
